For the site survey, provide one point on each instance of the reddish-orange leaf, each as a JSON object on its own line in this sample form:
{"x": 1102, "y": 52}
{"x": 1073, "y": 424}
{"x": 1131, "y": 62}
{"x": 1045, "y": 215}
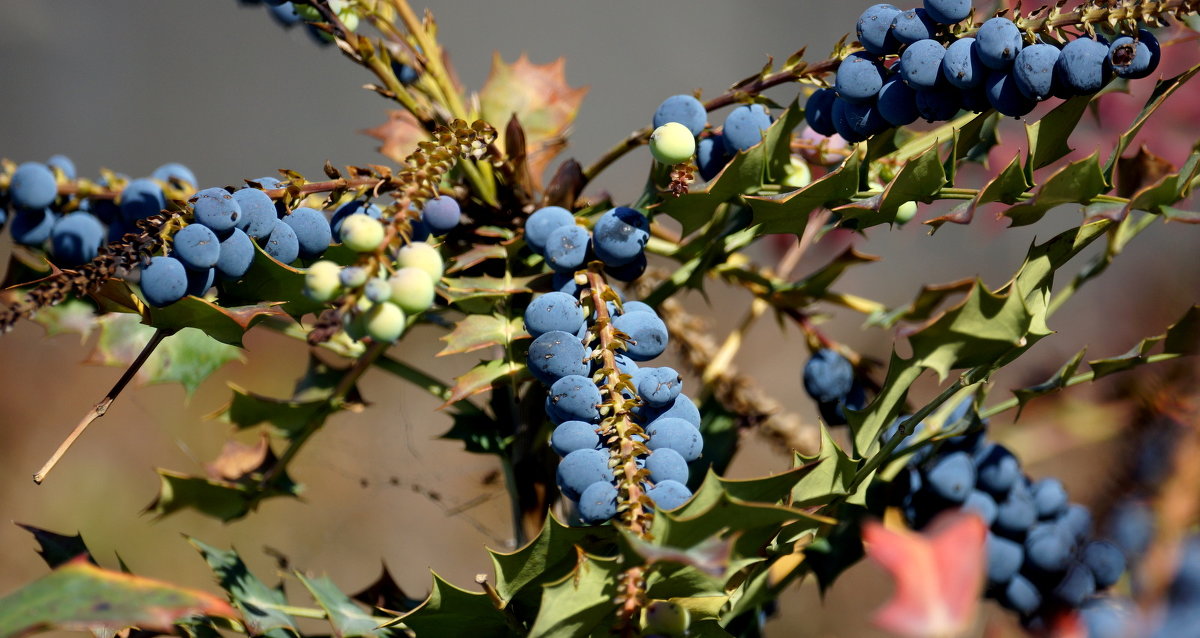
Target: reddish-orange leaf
{"x": 938, "y": 574}
{"x": 399, "y": 135}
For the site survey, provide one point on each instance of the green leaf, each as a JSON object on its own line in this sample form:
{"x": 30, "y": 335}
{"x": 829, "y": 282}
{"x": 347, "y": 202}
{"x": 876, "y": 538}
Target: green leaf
{"x": 79, "y": 596}
{"x": 480, "y": 433}
{"x": 474, "y": 332}
{"x": 829, "y": 478}
{"x": 1056, "y": 382}
{"x": 788, "y": 212}
{"x": 581, "y": 602}
{"x": 257, "y": 603}
{"x": 57, "y": 549}
{"x": 226, "y": 325}
{"x": 928, "y": 300}
{"x": 288, "y": 417}
{"x": 450, "y": 611}
{"x": 831, "y": 554}
{"x": 1005, "y": 187}
{"x": 919, "y": 179}
{"x": 1168, "y": 190}
{"x": 1048, "y": 136}
{"x": 975, "y": 332}
{"x": 224, "y": 500}
{"x": 519, "y": 574}
{"x": 267, "y": 280}
{"x": 1162, "y": 90}
{"x": 71, "y": 315}
{"x": 460, "y": 289}
{"x": 1182, "y": 338}
{"x": 187, "y": 357}
{"x": 1078, "y": 181}
{"x": 347, "y": 618}
{"x": 745, "y": 173}
{"x": 483, "y": 377}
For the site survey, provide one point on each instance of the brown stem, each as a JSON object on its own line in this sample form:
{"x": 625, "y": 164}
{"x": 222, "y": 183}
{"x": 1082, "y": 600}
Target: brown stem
{"x": 101, "y": 407}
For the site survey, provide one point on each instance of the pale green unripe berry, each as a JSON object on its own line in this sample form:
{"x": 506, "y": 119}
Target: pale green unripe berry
{"x": 666, "y": 618}
{"x": 322, "y": 281}
{"x": 672, "y": 143}
{"x": 412, "y": 290}
{"x": 420, "y": 255}
{"x": 362, "y": 233}
{"x": 906, "y": 212}
{"x": 798, "y": 174}
{"x": 384, "y": 322}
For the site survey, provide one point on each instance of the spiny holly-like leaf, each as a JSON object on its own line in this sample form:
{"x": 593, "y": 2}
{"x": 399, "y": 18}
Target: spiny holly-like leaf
{"x": 398, "y": 135}
{"x": 482, "y": 377}
{"x": 1005, "y": 187}
{"x": 1140, "y": 170}
{"x": 829, "y": 477}
{"x": 80, "y": 596}
{"x": 57, "y": 549}
{"x": 682, "y": 571}
{"x": 938, "y": 574}
{"x": 474, "y": 332}
{"x": 450, "y": 611}
{"x": 459, "y": 289}
{"x": 538, "y": 94}
{"x": 1048, "y": 136}
{"x": 1167, "y": 190}
{"x": 257, "y": 602}
{"x": 476, "y": 255}
{"x": 582, "y": 603}
{"x": 221, "y": 499}
{"x": 1078, "y": 181}
{"x": 1170, "y": 213}
{"x": 928, "y": 300}
{"x": 226, "y": 325}
{"x": 248, "y": 409}
{"x": 71, "y": 315}
{"x": 818, "y": 283}
{"x": 1162, "y": 90}
{"x": 788, "y": 212}
{"x": 348, "y": 619}
{"x": 187, "y": 357}
{"x": 1056, "y": 382}
{"x": 1182, "y": 338}
{"x": 975, "y": 332}
{"x": 384, "y": 593}
{"x": 918, "y": 180}
{"x": 267, "y": 280}
{"x": 546, "y": 558}
{"x": 745, "y": 173}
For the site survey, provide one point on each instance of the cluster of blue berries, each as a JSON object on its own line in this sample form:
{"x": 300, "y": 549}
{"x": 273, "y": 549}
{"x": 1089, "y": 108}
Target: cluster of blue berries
{"x": 830, "y": 380}
{"x": 743, "y": 128}
{"x": 913, "y": 67}
{"x": 1041, "y": 557}
{"x": 618, "y": 239}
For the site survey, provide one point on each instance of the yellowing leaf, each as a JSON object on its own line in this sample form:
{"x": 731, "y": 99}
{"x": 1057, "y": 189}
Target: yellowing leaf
{"x": 539, "y": 96}
{"x": 480, "y": 331}
{"x": 399, "y": 135}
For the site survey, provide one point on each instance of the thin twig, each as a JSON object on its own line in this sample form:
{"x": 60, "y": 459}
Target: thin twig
{"x": 102, "y": 406}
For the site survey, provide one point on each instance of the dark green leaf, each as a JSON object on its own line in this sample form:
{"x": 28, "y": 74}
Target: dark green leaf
{"x": 788, "y": 212}
{"x": 1048, "y": 136}
{"x": 289, "y": 417}
{"x": 219, "y": 499}
{"x": 226, "y": 325}
{"x": 270, "y": 281}
{"x": 975, "y": 332}
{"x": 460, "y": 289}
{"x": 348, "y": 619}
{"x": 1162, "y": 90}
{"x": 1005, "y": 187}
{"x": 57, "y": 549}
{"x": 918, "y": 180}
{"x": 1078, "y": 181}
{"x": 546, "y": 558}
{"x": 258, "y": 603}
{"x": 450, "y": 611}
{"x": 581, "y": 602}
{"x": 481, "y": 331}
{"x": 1056, "y": 382}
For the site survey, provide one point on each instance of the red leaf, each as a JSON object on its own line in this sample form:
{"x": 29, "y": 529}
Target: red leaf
{"x": 938, "y": 574}
{"x": 399, "y": 134}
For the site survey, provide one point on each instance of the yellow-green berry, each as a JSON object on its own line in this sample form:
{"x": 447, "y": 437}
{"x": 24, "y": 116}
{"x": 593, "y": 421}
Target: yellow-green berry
{"x": 322, "y": 281}
{"x": 384, "y": 322}
{"x": 362, "y": 233}
{"x": 412, "y": 289}
{"x": 423, "y": 256}
{"x": 672, "y": 143}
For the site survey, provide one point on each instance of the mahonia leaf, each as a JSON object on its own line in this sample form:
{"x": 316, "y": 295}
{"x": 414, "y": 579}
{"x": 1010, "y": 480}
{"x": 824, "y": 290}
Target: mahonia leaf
{"x": 830, "y": 476}
{"x": 1168, "y": 189}
{"x": 815, "y": 286}
{"x": 257, "y": 602}
{"x": 71, "y": 315}
{"x": 1048, "y": 135}
{"x": 746, "y": 173}
{"x": 479, "y": 432}
{"x": 384, "y": 593}
{"x": 519, "y": 574}
{"x": 459, "y": 289}
{"x": 57, "y": 549}
{"x": 1140, "y": 170}
{"x": 539, "y": 96}
{"x": 268, "y": 281}
{"x": 1182, "y": 338}
{"x": 928, "y": 300}
{"x": 220, "y": 499}
{"x": 1004, "y": 187}
{"x": 788, "y": 212}
{"x": 237, "y": 460}
{"x": 187, "y": 357}
{"x": 80, "y": 596}
{"x": 450, "y": 611}
{"x": 1078, "y": 181}
{"x": 348, "y": 619}
{"x": 398, "y": 135}
{"x": 288, "y": 416}
{"x": 1162, "y": 90}
{"x": 1056, "y": 382}
{"x": 938, "y": 573}
{"x": 226, "y": 325}
{"x": 483, "y": 377}
{"x": 581, "y": 602}
{"x": 474, "y": 332}
{"x": 476, "y": 255}
{"x": 919, "y": 179}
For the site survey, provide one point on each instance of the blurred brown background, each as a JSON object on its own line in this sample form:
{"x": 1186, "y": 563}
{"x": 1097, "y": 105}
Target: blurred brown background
{"x": 129, "y": 85}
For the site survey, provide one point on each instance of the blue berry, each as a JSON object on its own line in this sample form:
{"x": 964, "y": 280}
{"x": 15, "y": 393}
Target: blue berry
{"x": 567, "y": 248}
{"x": 857, "y": 121}
{"x": 76, "y": 238}
{"x": 312, "y": 231}
{"x": 744, "y": 127}
{"x": 1020, "y": 595}
{"x": 921, "y": 64}
{"x": 665, "y": 464}
{"x": 542, "y": 222}
{"x": 1076, "y": 585}
{"x": 199, "y": 281}
{"x": 982, "y": 504}
{"x": 63, "y": 164}
{"x": 140, "y": 199}
{"x": 1077, "y": 521}
{"x": 442, "y": 214}
{"x": 948, "y": 11}
{"x": 1004, "y": 559}
{"x": 859, "y": 78}
{"x": 1131, "y": 526}
{"x": 197, "y": 247}
{"x": 555, "y": 355}
{"x": 174, "y": 172}
{"x": 897, "y": 102}
{"x": 32, "y": 186}
{"x": 998, "y": 470}
{"x": 938, "y": 104}
{"x": 1134, "y": 58}
{"x": 1016, "y": 513}
{"x": 1107, "y": 617}
{"x": 576, "y": 398}
{"x": 712, "y": 155}
{"x": 658, "y": 386}
{"x": 574, "y": 435}
{"x": 952, "y": 477}
{"x": 828, "y": 375}
{"x": 553, "y": 311}
{"x": 217, "y": 209}
{"x": 258, "y": 212}
{"x": 1047, "y": 549}
{"x": 237, "y": 253}
{"x": 1050, "y": 498}
{"x": 669, "y": 495}
{"x": 647, "y": 333}
{"x": 1033, "y": 70}
{"x": 1105, "y": 560}
{"x": 677, "y": 434}
{"x": 581, "y": 468}
{"x": 682, "y": 408}
{"x": 961, "y": 65}
{"x": 874, "y": 29}
{"x": 620, "y": 235}
{"x": 405, "y": 73}
{"x": 834, "y": 412}
{"x": 282, "y": 243}
{"x": 285, "y": 14}
{"x": 1083, "y": 66}
{"x": 913, "y": 25}
{"x": 685, "y": 110}
{"x": 998, "y": 42}
{"x": 377, "y": 290}
{"x": 598, "y": 502}
{"x": 32, "y": 227}
{"x": 818, "y": 111}
{"x": 164, "y": 281}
